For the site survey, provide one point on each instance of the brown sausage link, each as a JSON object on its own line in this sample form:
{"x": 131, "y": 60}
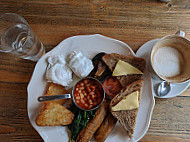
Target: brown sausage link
{"x": 86, "y": 134}
{"x": 105, "y": 128}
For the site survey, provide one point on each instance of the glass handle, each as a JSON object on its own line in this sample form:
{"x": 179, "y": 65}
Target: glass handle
{"x": 53, "y": 97}
{"x": 180, "y": 33}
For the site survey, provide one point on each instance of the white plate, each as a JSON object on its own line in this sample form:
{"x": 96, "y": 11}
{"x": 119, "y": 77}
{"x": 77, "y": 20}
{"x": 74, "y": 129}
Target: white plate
{"x": 176, "y": 89}
{"x": 89, "y": 45}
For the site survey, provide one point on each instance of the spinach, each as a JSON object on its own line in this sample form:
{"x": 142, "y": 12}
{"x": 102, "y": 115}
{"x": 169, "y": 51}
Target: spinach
{"x": 80, "y": 121}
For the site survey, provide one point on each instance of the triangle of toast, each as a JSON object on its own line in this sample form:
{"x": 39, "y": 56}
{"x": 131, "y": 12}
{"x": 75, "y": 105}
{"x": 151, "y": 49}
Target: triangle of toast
{"x": 112, "y": 59}
{"x": 127, "y": 118}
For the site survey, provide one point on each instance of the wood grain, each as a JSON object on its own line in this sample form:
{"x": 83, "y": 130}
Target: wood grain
{"x": 171, "y": 118}
{"x": 6, "y": 129}
{"x": 131, "y": 21}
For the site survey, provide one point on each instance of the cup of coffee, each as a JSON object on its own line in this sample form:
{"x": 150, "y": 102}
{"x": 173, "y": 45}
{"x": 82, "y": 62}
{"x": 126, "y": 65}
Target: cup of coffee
{"x": 170, "y": 58}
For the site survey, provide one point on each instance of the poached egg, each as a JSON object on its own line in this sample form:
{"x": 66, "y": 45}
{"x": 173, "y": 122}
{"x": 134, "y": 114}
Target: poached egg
{"x": 80, "y": 64}
{"x": 58, "y": 71}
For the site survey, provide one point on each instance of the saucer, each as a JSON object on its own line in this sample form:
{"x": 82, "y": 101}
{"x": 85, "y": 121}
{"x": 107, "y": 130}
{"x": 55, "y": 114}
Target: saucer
{"x": 176, "y": 89}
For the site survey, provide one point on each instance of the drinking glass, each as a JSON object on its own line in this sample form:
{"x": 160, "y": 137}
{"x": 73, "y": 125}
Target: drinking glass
{"x": 17, "y": 38}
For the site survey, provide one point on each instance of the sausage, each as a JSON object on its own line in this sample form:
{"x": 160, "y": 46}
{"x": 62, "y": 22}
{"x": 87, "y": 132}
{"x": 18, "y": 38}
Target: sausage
{"x": 86, "y": 134}
{"x": 105, "y": 128}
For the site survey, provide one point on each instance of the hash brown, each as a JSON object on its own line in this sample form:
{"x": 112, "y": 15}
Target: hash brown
{"x": 54, "y": 114}
{"x": 55, "y": 89}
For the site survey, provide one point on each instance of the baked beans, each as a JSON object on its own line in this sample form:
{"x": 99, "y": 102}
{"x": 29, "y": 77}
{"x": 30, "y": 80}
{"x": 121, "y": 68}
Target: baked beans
{"x": 88, "y": 94}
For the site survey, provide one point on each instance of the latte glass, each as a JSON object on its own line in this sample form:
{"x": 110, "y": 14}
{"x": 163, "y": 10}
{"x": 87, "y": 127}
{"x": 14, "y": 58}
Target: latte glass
{"x": 17, "y": 38}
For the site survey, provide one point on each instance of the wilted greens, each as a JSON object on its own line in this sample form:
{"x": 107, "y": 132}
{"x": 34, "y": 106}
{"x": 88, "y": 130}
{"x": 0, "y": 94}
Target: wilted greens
{"x": 80, "y": 121}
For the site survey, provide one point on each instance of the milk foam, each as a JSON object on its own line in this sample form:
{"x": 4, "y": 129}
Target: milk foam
{"x": 167, "y": 62}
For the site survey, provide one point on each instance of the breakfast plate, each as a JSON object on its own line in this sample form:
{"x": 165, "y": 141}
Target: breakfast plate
{"x": 89, "y": 45}
{"x": 176, "y": 89}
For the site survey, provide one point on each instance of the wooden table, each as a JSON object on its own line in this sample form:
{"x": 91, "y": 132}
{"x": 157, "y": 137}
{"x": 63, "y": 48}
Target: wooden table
{"x": 131, "y": 21}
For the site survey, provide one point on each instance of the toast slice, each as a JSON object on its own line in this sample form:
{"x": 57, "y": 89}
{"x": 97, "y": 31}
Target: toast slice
{"x": 55, "y": 89}
{"x": 127, "y": 118}
{"x": 112, "y": 59}
{"x": 54, "y": 114}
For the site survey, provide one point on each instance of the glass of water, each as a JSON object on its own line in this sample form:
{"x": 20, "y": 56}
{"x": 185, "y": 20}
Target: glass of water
{"x": 16, "y": 37}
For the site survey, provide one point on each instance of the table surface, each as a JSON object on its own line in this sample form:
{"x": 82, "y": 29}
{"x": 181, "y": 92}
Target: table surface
{"x": 131, "y": 21}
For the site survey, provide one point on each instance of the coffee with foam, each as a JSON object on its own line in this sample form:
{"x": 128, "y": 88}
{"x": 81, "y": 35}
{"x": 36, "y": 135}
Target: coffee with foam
{"x": 167, "y": 62}
{"x": 170, "y": 59}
